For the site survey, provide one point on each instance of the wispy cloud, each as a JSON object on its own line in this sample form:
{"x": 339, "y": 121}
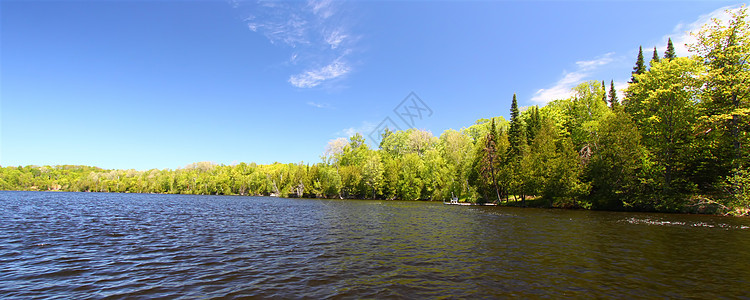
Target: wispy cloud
{"x": 364, "y": 129}
{"x": 318, "y": 35}
{"x": 314, "y": 77}
{"x": 292, "y": 32}
{"x": 322, "y": 8}
{"x": 562, "y": 88}
{"x": 318, "y": 105}
{"x": 590, "y": 65}
{"x": 335, "y": 38}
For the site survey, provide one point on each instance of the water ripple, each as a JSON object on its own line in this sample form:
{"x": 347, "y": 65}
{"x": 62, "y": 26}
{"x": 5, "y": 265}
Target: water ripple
{"x": 113, "y": 246}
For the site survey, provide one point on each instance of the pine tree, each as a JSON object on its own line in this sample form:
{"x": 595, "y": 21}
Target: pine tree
{"x": 655, "y": 58}
{"x": 514, "y": 133}
{"x": 612, "y": 95}
{"x": 604, "y": 93}
{"x": 639, "y": 66}
{"x": 516, "y": 150}
{"x": 670, "y": 54}
{"x": 533, "y": 123}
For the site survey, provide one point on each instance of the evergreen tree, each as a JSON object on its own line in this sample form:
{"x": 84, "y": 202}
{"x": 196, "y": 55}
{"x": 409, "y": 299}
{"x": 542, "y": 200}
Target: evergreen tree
{"x": 612, "y": 95}
{"x": 639, "y": 68}
{"x": 516, "y": 150}
{"x": 670, "y": 54}
{"x": 604, "y": 92}
{"x": 655, "y": 58}
{"x": 533, "y": 123}
{"x": 515, "y": 131}
{"x": 632, "y": 100}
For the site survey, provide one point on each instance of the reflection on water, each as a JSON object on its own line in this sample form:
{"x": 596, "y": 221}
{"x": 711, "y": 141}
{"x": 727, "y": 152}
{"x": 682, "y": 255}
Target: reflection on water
{"x": 98, "y": 245}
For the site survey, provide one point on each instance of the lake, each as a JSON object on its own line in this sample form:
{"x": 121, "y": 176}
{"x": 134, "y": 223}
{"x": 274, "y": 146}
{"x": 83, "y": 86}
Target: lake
{"x": 94, "y": 245}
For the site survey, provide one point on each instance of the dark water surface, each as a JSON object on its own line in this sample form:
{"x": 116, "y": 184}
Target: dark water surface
{"x": 90, "y": 245}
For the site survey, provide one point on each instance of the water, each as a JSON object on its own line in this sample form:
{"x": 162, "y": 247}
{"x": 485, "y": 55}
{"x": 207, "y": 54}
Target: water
{"x": 90, "y": 245}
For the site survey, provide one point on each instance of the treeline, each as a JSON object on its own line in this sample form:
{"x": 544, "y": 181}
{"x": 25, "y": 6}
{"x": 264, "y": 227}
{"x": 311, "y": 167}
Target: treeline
{"x": 678, "y": 141}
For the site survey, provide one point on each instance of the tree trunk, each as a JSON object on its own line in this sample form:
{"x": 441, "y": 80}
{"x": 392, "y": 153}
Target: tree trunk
{"x": 497, "y": 190}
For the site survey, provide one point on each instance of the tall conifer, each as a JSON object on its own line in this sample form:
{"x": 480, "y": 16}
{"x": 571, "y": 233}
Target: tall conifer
{"x": 639, "y": 66}
{"x": 516, "y": 134}
{"x": 533, "y": 124}
{"x": 604, "y": 92}
{"x": 670, "y": 54}
{"x": 612, "y": 95}
{"x": 655, "y": 58}
{"x": 516, "y": 149}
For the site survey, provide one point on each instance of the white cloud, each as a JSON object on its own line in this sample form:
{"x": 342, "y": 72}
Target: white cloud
{"x": 589, "y": 65}
{"x": 318, "y": 34}
{"x": 562, "y": 88}
{"x": 315, "y": 77}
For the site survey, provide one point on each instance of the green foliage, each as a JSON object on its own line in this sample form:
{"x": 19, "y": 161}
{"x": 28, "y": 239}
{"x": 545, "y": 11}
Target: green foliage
{"x": 543, "y": 161}
{"x": 566, "y": 186}
{"x": 582, "y": 113}
{"x": 614, "y": 169}
{"x": 435, "y": 176}
{"x": 329, "y": 182}
{"x": 669, "y": 94}
{"x": 409, "y": 185}
{"x": 491, "y": 156}
{"x": 738, "y": 187}
{"x": 724, "y": 48}
{"x": 456, "y": 151}
{"x": 372, "y": 174}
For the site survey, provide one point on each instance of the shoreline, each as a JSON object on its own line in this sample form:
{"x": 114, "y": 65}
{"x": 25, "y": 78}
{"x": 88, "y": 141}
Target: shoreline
{"x": 537, "y": 203}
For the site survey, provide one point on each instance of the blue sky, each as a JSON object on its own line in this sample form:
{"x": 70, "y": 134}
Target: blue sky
{"x": 162, "y": 84}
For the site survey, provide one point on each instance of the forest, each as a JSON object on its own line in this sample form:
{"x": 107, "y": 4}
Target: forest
{"x": 676, "y": 142}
